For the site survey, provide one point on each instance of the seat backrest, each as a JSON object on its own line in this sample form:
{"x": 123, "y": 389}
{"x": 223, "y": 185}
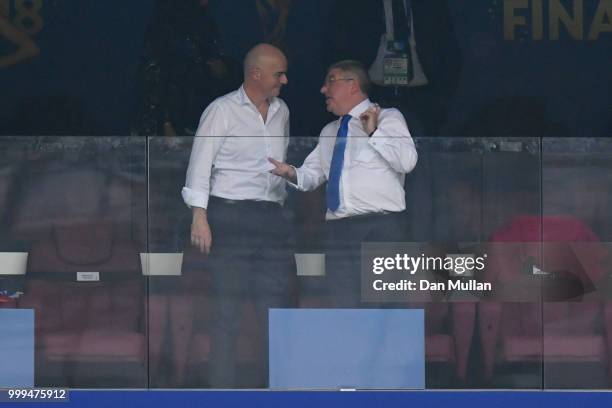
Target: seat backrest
{"x": 93, "y": 246}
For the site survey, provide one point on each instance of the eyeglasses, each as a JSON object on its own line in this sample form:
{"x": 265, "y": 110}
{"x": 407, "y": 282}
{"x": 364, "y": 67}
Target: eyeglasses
{"x": 331, "y": 80}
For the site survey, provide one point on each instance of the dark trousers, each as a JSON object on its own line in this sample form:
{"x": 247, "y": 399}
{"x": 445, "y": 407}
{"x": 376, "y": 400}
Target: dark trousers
{"x": 250, "y": 260}
{"x": 343, "y": 252}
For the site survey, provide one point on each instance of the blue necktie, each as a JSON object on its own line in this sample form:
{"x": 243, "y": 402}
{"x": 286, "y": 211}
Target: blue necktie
{"x": 335, "y": 170}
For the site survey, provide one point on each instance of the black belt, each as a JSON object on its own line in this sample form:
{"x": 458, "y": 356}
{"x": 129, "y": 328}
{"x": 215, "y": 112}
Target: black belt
{"x": 367, "y": 216}
{"x": 245, "y": 203}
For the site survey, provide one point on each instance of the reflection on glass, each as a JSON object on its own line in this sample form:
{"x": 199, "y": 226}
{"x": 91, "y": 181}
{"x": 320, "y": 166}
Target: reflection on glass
{"x": 83, "y": 210}
{"x": 575, "y": 194}
{"x": 72, "y": 209}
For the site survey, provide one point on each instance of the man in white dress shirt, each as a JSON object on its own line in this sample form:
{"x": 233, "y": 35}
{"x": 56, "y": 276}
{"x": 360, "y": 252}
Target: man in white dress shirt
{"x": 236, "y": 204}
{"x": 364, "y": 156}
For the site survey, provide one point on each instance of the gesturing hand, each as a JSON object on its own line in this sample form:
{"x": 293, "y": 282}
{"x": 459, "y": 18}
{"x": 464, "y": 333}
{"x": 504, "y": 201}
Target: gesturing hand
{"x": 369, "y": 119}
{"x": 283, "y": 170}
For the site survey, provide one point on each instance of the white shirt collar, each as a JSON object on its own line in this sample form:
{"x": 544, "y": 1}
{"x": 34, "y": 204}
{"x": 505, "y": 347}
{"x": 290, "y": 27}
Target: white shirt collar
{"x": 243, "y": 99}
{"x": 360, "y": 108}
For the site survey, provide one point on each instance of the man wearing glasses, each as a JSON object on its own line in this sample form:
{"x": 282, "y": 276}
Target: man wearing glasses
{"x": 364, "y": 157}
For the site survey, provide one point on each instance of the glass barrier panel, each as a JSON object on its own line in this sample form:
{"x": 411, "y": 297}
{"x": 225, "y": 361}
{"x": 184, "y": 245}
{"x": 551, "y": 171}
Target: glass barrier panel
{"x": 576, "y": 180}
{"x": 73, "y": 206}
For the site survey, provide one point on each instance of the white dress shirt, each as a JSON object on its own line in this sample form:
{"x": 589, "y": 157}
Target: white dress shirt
{"x": 229, "y": 157}
{"x": 374, "y": 167}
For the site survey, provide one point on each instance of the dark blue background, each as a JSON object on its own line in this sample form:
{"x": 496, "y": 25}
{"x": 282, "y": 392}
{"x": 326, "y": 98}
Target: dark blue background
{"x": 90, "y": 51}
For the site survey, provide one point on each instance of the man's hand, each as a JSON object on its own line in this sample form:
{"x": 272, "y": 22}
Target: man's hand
{"x": 283, "y": 170}
{"x": 369, "y": 119}
{"x": 201, "y": 237}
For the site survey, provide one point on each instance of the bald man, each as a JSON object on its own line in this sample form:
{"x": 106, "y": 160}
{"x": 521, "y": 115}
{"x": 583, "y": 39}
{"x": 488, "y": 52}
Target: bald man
{"x": 236, "y": 205}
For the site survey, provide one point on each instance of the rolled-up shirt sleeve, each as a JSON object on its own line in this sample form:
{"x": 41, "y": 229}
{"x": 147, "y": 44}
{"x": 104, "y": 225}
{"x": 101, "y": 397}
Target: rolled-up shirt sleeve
{"x": 207, "y": 142}
{"x": 393, "y": 142}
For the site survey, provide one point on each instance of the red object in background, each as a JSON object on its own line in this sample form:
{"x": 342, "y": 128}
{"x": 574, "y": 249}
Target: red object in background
{"x": 544, "y": 329}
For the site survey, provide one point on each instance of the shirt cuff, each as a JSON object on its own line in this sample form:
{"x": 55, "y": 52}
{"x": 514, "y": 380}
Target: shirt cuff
{"x": 377, "y": 140}
{"x": 300, "y": 180}
{"x": 194, "y": 198}
{"x": 374, "y": 141}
